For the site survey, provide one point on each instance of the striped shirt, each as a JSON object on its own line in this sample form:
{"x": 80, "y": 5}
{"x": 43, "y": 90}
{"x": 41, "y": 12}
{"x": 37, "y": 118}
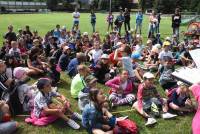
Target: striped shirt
{"x": 3, "y": 79}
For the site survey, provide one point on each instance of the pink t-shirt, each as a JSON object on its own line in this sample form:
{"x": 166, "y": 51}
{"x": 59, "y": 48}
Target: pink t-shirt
{"x": 196, "y": 119}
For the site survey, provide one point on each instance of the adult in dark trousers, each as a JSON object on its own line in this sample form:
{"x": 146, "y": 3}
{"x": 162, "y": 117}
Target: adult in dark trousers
{"x": 176, "y": 21}
{"x": 119, "y": 21}
{"x": 127, "y": 19}
{"x": 93, "y": 20}
{"x": 158, "y": 24}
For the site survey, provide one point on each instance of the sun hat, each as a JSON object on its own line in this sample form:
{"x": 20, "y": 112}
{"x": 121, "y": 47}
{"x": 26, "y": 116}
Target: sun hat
{"x": 19, "y": 72}
{"x": 148, "y": 75}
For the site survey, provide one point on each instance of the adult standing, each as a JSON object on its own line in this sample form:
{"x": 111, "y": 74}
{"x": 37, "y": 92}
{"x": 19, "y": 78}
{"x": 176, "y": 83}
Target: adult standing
{"x": 158, "y": 24}
{"x": 152, "y": 24}
{"x": 176, "y": 21}
{"x": 110, "y": 19}
{"x": 76, "y": 16}
{"x": 127, "y": 19}
{"x": 93, "y": 20}
{"x": 139, "y": 19}
{"x": 119, "y": 21}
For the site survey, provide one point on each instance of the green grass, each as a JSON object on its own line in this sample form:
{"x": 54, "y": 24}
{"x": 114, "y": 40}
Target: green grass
{"x": 46, "y": 22}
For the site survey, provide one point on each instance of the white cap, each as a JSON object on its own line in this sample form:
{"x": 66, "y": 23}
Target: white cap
{"x": 104, "y": 56}
{"x": 85, "y": 33}
{"x": 149, "y": 41}
{"x": 66, "y": 47}
{"x": 119, "y": 43}
{"x": 168, "y": 39}
{"x": 148, "y": 75}
{"x": 158, "y": 46}
{"x": 180, "y": 83}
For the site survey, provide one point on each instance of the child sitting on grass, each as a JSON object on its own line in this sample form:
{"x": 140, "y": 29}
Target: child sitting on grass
{"x": 122, "y": 89}
{"x": 45, "y": 111}
{"x": 149, "y": 101}
{"x": 96, "y": 118}
{"x": 180, "y": 100}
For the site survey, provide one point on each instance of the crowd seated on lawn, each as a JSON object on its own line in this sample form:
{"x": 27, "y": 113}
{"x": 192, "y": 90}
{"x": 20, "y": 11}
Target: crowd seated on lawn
{"x": 128, "y": 66}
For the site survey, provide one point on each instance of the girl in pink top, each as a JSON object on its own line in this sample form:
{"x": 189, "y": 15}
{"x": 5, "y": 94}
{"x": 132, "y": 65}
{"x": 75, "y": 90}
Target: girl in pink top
{"x": 122, "y": 89}
{"x": 195, "y": 122}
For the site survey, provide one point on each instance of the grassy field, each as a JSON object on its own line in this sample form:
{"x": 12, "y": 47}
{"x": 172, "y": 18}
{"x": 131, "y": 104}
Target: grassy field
{"x": 46, "y": 22}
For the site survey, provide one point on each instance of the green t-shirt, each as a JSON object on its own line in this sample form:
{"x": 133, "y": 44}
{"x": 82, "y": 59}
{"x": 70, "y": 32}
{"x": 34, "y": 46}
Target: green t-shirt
{"x": 77, "y": 85}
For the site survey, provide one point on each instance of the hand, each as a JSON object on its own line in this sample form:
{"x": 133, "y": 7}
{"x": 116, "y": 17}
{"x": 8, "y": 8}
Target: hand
{"x": 41, "y": 71}
{"x": 106, "y": 127}
{"x": 188, "y": 102}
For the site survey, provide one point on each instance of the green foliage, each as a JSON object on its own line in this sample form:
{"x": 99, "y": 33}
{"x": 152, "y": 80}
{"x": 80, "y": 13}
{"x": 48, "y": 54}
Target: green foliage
{"x": 52, "y": 4}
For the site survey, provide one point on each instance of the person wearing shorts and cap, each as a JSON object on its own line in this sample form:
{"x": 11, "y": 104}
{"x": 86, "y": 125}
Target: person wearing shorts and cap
{"x": 149, "y": 100}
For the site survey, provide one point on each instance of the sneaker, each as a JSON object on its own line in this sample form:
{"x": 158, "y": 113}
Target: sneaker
{"x": 150, "y": 121}
{"x": 121, "y": 118}
{"x": 73, "y": 124}
{"x": 168, "y": 116}
{"x": 77, "y": 116}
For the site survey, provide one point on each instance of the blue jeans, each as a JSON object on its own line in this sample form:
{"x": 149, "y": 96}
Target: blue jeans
{"x": 8, "y": 127}
{"x": 139, "y": 26}
{"x": 176, "y": 31}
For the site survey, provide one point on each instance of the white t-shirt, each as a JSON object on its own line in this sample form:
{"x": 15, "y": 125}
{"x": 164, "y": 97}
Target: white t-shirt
{"x": 165, "y": 54}
{"x": 96, "y": 54}
{"x": 75, "y": 15}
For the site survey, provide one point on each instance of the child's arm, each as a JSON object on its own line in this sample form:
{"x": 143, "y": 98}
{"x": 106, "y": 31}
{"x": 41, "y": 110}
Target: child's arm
{"x": 116, "y": 55}
{"x": 47, "y": 111}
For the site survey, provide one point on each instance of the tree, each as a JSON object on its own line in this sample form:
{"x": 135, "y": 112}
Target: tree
{"x": 52, "y": 4}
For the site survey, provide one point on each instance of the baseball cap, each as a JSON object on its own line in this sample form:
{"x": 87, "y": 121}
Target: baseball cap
{"x": 149, "y": 41}
{"x": 180, "y": 83}
{"x": 148, "y": 75}
{"x": 136, "y": 55}
{"x": 166, "y": 43}
{"x": 90, "y": 79}
{"x": 104, "y": 56}
{"x": 42, "y": 82}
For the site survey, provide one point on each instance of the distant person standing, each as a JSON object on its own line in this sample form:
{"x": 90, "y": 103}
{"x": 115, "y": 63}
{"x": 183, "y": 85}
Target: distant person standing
{"x": 152, "y": 24}
{"x": 127, "y": 19}
{"x": 139, "y": 19}
{"x": 110, "y": 19}
{"x": 176, "y": 21}
{"x": 158, "y": 24}
{"x": 76, "y": 16}
{"x": 93, "y": 20}
{"x": 119, "y": 21}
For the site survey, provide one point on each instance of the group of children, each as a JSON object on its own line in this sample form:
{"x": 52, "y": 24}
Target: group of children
{"x": 123, "y": 63}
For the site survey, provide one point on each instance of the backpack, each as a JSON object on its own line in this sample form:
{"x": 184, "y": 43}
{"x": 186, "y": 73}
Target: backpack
{"x": 125, "y": 127}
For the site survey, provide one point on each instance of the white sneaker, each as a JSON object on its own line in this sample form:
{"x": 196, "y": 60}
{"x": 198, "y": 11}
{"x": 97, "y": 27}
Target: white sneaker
{"x": 77, "y": 116}
{"x": 150, "y": 121}
{"x": 121, "y": 118}
{"x": 73, "y": 124}
{"x": 168, "y": 116}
